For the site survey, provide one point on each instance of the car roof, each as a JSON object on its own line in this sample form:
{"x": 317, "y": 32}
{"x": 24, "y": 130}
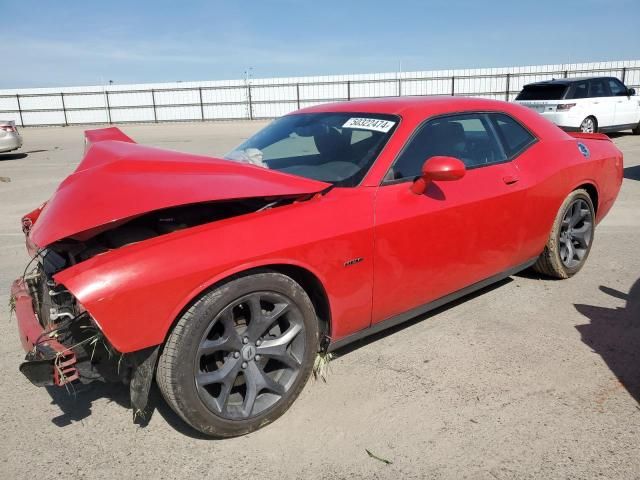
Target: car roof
{"x": 426, "y": 106}
{"x": 564, "y": 81}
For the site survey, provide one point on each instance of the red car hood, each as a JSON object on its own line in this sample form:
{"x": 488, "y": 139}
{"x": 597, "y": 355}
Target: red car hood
{"x": 119, "y": 179}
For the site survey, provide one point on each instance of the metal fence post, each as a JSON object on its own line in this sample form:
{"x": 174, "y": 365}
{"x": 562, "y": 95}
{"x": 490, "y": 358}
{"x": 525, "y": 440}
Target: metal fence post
{"x": 153, "y": 101}
{"x": 64, "y": 110}
{"x": 250, "y": 103}
{"x": 201, "y": 104}
{"x": 106, "y": 97}
{"x": 508, "y": 86}
{"x": 19, "y": 109}
{"x": 473, "y": 84}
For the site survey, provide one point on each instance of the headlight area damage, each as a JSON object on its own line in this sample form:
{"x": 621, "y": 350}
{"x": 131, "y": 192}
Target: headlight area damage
{"x": 121, "y": 194}
{"x": 64, "y": 344}
{"x": 62, "y": 341}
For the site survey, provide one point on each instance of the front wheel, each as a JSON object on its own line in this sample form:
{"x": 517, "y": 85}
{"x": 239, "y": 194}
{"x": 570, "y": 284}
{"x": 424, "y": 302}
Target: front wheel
{"x": 571, "y": 237}
{"x": 239, "y": 357}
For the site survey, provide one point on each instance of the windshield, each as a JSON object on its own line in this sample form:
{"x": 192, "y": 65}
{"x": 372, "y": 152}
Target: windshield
{"x": 542, "y": 92}
{"x": 338, "y": 148}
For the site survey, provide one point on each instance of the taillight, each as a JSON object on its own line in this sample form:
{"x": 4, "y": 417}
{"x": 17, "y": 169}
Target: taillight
{"x": 563, "y": 107}
{"x": 8, "y": 128}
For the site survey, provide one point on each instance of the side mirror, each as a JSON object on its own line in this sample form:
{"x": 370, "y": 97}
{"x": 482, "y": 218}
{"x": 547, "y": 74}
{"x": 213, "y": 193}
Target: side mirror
{"x": 438, "y": 169}
{"x": 631, "y": 92}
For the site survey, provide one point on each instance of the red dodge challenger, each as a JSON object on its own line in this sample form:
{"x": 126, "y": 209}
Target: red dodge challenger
{"x": 224, "y": 278}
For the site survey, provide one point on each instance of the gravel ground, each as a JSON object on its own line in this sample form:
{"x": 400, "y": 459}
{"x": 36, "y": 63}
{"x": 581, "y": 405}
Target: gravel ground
{"x": 530, "y": 378}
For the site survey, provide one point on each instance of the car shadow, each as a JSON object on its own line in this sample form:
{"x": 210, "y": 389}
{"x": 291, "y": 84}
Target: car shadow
{"x": 158, "y": 404}
{"x": 532, "y": 274}
{"x": 76, "y": 400}
{"x": 614, "y": 334}
{"x": 12, "y": 156}
{"x": 626, "y": 133}
{"x": 340, "y": 352}
{"x": 76, "y": 403}
{"x": 632, "y": 173}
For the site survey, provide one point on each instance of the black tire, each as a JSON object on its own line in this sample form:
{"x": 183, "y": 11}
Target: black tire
{"x": 555, "y": 261}
{"x": 636, "y": 130}
{"x": 589, "y": 125}
{"x": 181, "y": 368}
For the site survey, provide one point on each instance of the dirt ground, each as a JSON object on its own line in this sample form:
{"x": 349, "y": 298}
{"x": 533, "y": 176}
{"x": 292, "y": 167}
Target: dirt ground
{"x": 530, "y": 378}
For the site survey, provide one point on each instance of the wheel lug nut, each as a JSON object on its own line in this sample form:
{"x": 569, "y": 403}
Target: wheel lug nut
{"x": 245, "y": 340}
{"x": 258, "y": 342}
{"x": 244, "y": 364}
{"x": 236, "y": 354}
{"x": 257, "y": 357}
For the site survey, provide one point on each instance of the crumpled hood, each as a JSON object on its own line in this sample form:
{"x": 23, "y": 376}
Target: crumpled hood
{"x": 119, "y": 179}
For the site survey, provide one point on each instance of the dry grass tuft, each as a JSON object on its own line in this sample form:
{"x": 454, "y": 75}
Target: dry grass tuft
{"x": 321, "y": 365}
{"x": 12, "y": 305}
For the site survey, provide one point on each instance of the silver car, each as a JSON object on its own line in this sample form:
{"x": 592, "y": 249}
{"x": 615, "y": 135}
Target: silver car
{"x": 10, "y": 139}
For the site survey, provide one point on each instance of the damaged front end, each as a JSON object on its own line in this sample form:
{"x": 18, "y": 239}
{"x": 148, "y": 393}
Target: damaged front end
{"x": 61, "y": 340}
{"x": 82, "y": 244}
{"x": 64, "y": 344}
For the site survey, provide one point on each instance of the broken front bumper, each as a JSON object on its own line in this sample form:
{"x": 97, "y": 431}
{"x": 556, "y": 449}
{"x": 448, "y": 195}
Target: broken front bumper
{"x": 48, "y": 362}
{"x": 59, "y": 354}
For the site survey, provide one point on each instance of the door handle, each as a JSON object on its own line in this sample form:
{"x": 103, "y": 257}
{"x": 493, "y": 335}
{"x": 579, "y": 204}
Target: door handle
{"x": 510, "y": 179}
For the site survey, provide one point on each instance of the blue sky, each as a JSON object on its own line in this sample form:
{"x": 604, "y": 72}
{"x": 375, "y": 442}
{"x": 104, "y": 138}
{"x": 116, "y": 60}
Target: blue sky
{"x": 47, "y": 43}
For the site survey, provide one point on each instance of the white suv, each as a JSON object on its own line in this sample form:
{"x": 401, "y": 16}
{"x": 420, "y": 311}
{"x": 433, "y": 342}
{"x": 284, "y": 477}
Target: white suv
{"x": 596, "y": 104}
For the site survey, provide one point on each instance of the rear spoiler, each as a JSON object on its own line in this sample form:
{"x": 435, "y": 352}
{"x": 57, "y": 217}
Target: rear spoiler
{"x": 589, "y": 136}
{"x": 104, "y": 134}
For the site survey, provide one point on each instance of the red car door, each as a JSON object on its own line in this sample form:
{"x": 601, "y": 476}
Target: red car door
{"x": 458, "y": 232}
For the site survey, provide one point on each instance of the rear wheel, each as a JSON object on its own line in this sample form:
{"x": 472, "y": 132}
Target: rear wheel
{"x": 239, "y": 357}
{"x": 589, "y": 125}
{"x": 571, "y": 237}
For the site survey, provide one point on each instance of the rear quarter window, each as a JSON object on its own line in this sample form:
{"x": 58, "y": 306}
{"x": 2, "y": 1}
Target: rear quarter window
{"x": 542, "y": 92}
{"x": 514, "y": 137}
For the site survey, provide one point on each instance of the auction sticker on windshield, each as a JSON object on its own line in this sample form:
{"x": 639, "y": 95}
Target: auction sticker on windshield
{"x": 369, "y": 124}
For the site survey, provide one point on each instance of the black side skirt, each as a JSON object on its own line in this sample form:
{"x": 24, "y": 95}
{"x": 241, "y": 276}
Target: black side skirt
{"x": 403, "y": 317}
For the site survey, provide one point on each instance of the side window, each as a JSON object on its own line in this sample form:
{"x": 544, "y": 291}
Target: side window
{"x": 580, "y": 90}
{"x": 514, "y": 137}
{"x": 467, "y": 137}
{"x": 598, "y": 88}
{"x": 617, "y": 88}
